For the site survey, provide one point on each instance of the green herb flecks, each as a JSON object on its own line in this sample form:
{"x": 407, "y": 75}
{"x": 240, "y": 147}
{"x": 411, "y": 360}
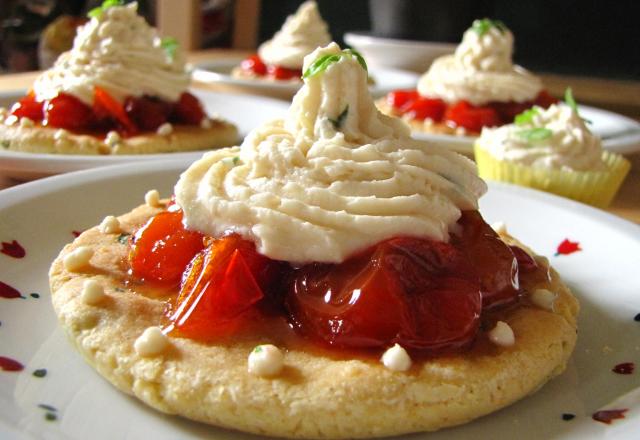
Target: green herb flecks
{"x": 258, "y": 349}
{"x": 482, "y": 26}
{"x": 5, "y": 143}
{"x": 571, "y": 102}
{"x": 535, "y": 134}
{"x": 123, "y": 238}
{"x": 40, "y": 372}
{"x": 322, "y": 63}
{"x": 50, "y": 417}
{"x": 47, "y": 407}
{"x": 235, "y": 160}
{"x": 106, "y": 4}
{"x": 526, "y": 117}
{"x": 170, "y": 46}
{"x": 337, "y": 123}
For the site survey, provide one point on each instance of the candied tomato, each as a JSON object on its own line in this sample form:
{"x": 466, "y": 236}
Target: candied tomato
{"x": 162, "y": 249}
{"x": 146, "y": 112}
{"x": 254, "y": 64}
{"x": 471, "y": 117}
{"x": 419, "y": 293}
{"x": 399, "y": 98}
{"x": 28, "y": 107}
{"x": 187, "y": 110}
{"x": 493, "y": 261}
{"x": 67, "y": 111}
{"x": 220, "y": 288}
{"x": 282, "y": 73}
{"x": 423, "y": 108}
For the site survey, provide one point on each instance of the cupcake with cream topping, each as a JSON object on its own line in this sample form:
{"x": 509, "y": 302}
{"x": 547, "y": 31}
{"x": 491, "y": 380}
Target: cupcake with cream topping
{"x": 477, "y": 86}
{"x": 552, "y": 150}
{"x": 282, "y": 57}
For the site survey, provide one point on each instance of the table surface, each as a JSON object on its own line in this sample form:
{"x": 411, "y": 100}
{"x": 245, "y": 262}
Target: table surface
{"x": 619, "y": 96}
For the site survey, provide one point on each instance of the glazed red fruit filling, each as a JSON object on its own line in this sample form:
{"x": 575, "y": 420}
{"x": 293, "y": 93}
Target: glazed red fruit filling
{"x": 255, "y": 66}
{"x": 136, "y": 114}
{"x": 462, "y": 114}
{"x": 425, "y": 295}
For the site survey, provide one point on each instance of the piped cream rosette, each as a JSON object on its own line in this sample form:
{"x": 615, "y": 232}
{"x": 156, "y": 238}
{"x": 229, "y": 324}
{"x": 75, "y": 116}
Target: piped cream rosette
{"x": 333, "y": 178}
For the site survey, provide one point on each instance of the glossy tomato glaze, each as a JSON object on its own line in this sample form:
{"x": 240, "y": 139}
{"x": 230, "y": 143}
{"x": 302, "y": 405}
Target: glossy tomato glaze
{"x": 136, "y": 115}
{"x": 461, "y": 114}
{"x": 430, "y": 297}
{"x": 254, "y": 66}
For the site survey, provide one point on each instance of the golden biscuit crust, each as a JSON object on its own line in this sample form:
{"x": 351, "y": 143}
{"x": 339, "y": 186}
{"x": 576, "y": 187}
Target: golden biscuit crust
{"x": 315, "y": 396}
{"x": 34, "y": 138}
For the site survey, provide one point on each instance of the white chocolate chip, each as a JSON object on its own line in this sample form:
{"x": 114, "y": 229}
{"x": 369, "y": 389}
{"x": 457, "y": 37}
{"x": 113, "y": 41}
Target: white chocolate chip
{"x": 60, "y": 134}
{"x": 152, "y": 198}
{"x": 396, "y": 358}
{"x": 110, "y": 225}
{"x": 79, "y": 258}
{"x": 92, "y": 292}
{"x": 499, "y": 227}
{"x": 151, "y": 342}
{"x": 543, "y": 298}
{"x": 502, "y": 335}
{"x": 265, "y": 360}
{"x": 11, "y": 120}
{"x": 165, "y": 129}
{"x": 26, "y": 122}
{"x": 112, "y": 139}
{"x": 205, "y": 123}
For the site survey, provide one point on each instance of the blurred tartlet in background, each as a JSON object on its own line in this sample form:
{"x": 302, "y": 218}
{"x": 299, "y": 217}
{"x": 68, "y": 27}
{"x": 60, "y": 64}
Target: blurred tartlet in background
{"x": 57, "y": 38}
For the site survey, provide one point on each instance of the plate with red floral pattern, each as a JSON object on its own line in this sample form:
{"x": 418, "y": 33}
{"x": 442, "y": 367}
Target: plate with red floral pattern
{"x": 47, "y": 390}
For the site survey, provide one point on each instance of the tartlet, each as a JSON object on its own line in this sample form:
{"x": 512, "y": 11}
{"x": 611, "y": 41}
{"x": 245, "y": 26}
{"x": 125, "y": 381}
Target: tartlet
{"x": 121, "y": 89}
{"x": 552, "y": 150}
{"x": 477, "y": 86}
{"x": 281, "y": 57}
{"x": 329, "y": 278}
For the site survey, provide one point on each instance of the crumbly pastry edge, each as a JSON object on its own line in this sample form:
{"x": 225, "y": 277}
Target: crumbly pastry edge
{"x": 33, "y": 138}
{"x": 315, "y": 396}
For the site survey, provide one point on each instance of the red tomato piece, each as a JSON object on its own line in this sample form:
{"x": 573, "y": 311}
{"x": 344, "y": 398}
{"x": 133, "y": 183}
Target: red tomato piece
{"x": 419, "y": 293}
{"x": 544, "y": 99}
{"x": 146, "y": 112}
{"x": 105, "y": 104}
{"x": 509, "y": 110}
{"x": 471, "y": 117}
{"x": 282, "y": 73}
{"x": 219, "y": 289}
{"x": 67, "y": 111}
{"x": 162, "y": 249}
{"x": 187, "y": 110}
{"x": 492, "y": 260}
{"x": 254, "y": 64}
{"x": 423, "y": 108}
{"x": 28, "y": 107}
{"x": 399, "y": 98}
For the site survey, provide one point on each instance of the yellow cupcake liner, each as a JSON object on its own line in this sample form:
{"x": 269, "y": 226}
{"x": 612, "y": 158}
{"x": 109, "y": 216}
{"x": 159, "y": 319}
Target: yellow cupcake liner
{"x": 596, "y": 188}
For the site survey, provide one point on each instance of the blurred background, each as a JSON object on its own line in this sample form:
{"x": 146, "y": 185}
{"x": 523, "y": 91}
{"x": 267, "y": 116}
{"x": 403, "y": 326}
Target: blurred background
{"x": 576, "y": 37}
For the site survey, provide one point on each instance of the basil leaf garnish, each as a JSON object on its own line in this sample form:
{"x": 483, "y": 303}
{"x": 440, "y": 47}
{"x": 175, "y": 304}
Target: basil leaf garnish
{"x": 535, "y": 134}
{"x": 322, "y": 63}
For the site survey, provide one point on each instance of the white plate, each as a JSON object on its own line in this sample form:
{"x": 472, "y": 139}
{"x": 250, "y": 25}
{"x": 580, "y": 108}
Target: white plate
{"x": 619, "y": 133}
{"x": 604, "y": 275}
{"x": 246, "y": 112}
{"x": 219, "y": 72}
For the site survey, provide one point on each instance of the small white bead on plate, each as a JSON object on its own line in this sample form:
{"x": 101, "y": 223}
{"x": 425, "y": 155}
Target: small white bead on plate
{"x": 265, "y": 360}
{"x": 151, "y": 342}
{"x": 543, "y": 298}
{"x": 92, "y": 292}
{"x": 165, "y": 129}
{"x": 152, "y": 198}
{"x": 499, "y": 227}
{"x": 110, "y": 225}
{"x": 502, "y": 335}
{"x": 77, "y": 259}
{"x": 396, "y": 358}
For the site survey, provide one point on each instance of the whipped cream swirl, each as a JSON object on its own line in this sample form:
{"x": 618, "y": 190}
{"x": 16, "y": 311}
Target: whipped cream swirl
{"x": 301, "y": 33}
{"x": 480, "y": 71}
{"x": 335, "y": 177}
{"x": 555, "y": 138}
{"x": 119, "y": 52}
